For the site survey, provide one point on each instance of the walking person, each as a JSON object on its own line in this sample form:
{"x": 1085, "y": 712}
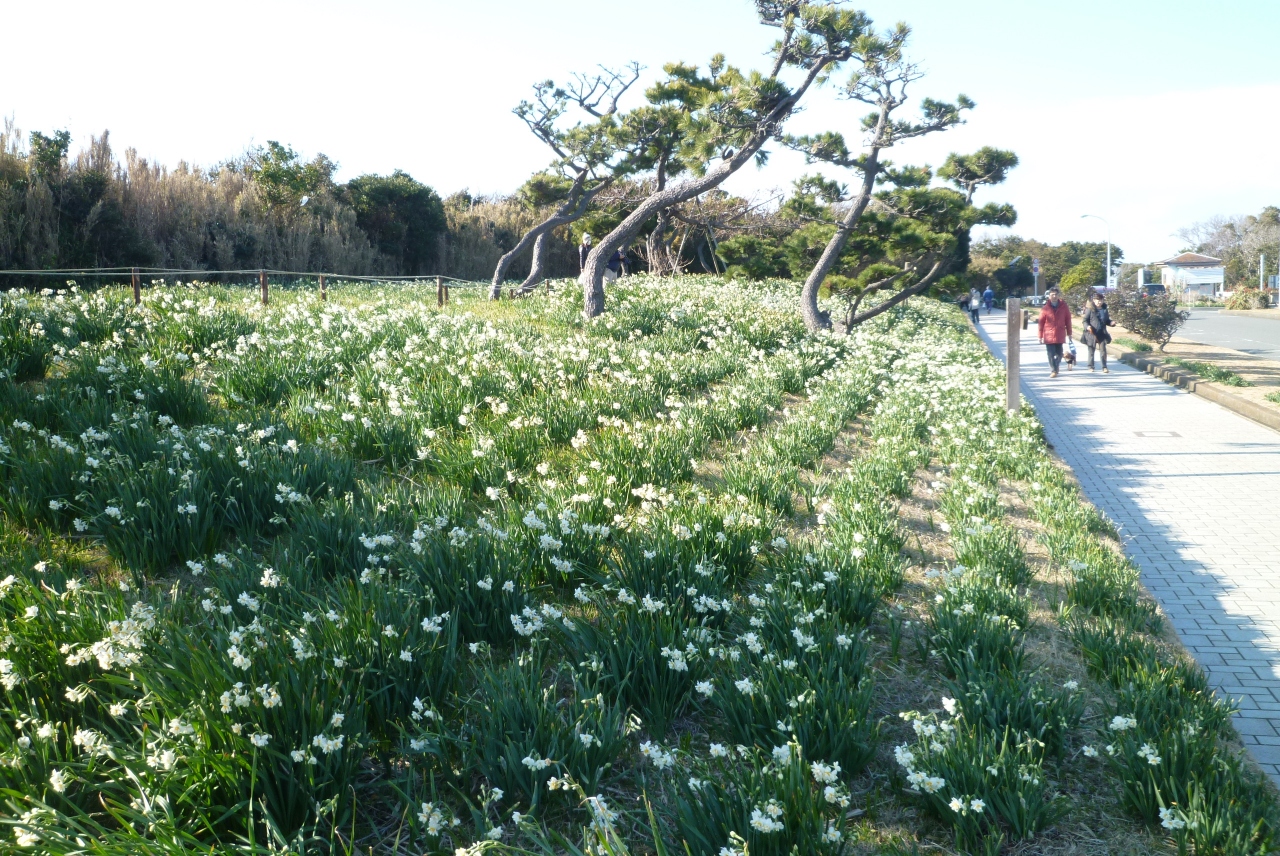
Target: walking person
{"x": 1055, "y": 328}
{"x": 988, "y": 299}
{"x": 584, "y": 250}
{"x": 975, "y": 303}
{"x": 1095, "y": 336}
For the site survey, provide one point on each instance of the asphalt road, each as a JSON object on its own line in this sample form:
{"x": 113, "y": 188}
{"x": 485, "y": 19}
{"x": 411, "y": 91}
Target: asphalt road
{"x": 1258, "y": 336}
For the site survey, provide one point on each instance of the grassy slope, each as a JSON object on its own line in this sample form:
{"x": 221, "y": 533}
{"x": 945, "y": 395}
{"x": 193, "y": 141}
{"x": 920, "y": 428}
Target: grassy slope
{"x": 787, "y": 463}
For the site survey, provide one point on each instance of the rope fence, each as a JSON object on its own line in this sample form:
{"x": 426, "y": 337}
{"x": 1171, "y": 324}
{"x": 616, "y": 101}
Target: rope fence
{"x": 134, "y": 276}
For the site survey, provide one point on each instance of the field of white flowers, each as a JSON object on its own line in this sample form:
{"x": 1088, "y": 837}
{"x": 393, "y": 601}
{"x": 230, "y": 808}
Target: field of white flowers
{"x": 367, "y": 576}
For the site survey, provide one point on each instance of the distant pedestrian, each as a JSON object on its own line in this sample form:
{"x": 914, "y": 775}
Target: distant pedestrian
{"x": 1055, "y": 328}
{"x": 1095, "y": 336}
{"x": 614, "y": 268}
{"x": 988, "y": 299}
{"x": 584, "y": 250}
{"x": 975, "y": 303}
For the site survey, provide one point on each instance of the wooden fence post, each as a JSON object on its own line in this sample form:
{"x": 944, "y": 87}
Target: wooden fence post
{"x": 1012, "y": 352}
{"x": 324, "y": 295}
{"x": 137, "y": 288}
{"x": 262, "y": 281}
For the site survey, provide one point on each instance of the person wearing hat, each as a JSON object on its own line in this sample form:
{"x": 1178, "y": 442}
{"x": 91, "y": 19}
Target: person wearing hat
{"x": 1055, "y": 328}
{"x": 584, "y": 250}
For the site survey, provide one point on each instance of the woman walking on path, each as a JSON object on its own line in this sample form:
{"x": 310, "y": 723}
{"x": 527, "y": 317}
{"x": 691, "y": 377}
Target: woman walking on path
{"x": 1096, "y": 321}
{"x": 975, "y": 303}
{"x": 1055, "y": 328}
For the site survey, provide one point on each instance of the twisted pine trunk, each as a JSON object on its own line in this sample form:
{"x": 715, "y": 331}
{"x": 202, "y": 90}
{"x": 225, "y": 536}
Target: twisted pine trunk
{"x": 539, "y": 265}
{"x": 815, "y": 319}
{"x": 592, "y": 278}
{"x": 571, "y": 209}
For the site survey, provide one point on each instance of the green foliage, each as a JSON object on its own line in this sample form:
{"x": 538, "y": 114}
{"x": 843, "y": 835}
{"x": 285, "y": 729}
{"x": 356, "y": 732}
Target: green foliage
{"x": 284, "y": 178}
{"x": 984, "y": 784}
{"x": 753, "y": 257}
{"x": 529, "y": 729}
{"x": 1248, "y": 298}
{"x": 88, "y": 210}
{"x": 423, "y": 549}
{"x": 1080, "y": 280}
{"x": 1055, "y": 260}
{"x": 1132, "y": 344}
{"x": 48, "y": 154}
{"x": 403, "y": 218}
{"x": 985, "y": 166}
{"x": 777, "y": 803}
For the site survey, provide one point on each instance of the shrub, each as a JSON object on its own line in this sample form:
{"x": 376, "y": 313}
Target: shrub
{"x": 1155, "y": 316}
{"x": 1248, "y": 298}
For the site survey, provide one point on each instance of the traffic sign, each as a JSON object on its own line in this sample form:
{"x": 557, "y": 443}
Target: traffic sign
{"x": 1035, "y": 266}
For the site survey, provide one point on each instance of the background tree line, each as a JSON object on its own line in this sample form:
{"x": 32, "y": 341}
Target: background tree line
{"x": 1004, "y": 264}
{"x": 268, "y": 208}
{"x": 1239, "y": 242}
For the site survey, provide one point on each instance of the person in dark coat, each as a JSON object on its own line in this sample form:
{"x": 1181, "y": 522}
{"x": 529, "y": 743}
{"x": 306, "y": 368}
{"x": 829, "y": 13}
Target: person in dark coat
{"x": 1095, "y": 336}
{"x": 988, "y": 299}
{"x": 1055, "y": 328}
{"x": 584, "y": 250}
{"x": 615, "y": 266}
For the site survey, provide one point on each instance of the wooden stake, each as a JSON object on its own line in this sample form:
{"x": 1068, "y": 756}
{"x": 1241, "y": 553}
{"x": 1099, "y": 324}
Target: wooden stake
{"x": 262, "y": 281}
{"x": 1013, "y": 357}
{"x": 137, "y": 288}
{"x": 324, "y": 295}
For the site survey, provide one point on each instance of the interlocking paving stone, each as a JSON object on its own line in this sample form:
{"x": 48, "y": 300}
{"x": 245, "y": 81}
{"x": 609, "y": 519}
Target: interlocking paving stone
{"x": 1199, "y": 513}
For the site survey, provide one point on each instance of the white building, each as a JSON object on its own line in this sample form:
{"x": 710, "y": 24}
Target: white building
{"x": 1192, "y": 273}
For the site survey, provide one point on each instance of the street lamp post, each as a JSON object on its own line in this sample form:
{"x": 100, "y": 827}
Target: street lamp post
{"x": 1106, "y": 284}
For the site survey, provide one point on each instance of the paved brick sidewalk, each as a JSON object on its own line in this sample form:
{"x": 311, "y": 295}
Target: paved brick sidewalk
{"x": 1195, "y": 491}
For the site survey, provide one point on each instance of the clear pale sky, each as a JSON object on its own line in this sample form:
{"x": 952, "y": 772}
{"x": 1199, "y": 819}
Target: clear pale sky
{"x": 1151, "y": 113}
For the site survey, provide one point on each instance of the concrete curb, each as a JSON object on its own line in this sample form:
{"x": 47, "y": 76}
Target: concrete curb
{"x": 1273, "y": 314}
{"x": 1196, "y": 385}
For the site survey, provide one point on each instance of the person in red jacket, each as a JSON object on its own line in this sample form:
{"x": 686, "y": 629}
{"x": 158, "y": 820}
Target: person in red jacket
{"x": 1055, "y": 328}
